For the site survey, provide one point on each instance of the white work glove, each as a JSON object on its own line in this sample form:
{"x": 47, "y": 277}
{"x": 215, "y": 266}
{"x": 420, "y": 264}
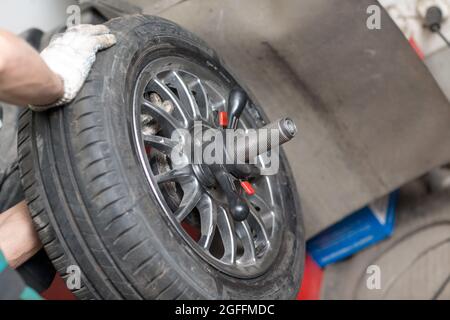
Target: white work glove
{"x": 71, "y": 56}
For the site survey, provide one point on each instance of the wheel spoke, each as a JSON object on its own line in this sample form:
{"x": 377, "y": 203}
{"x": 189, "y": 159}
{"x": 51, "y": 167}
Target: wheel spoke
{"x": 189, "y": 201}
{"x": 255, "y": 221}
{"x": 185, "y": 94}
{"x": 162, "y": 144}
{"x": 225, "y": 224}
{"x": 245, "y": 234}
{"x": 217, "y": 101}
{"x": 208, "y": 219}
{"x": 263, "y": 217}
{"x": 165, "y": 120}
{"x": 201, "y": 97}
{"x": 177, "y": 174}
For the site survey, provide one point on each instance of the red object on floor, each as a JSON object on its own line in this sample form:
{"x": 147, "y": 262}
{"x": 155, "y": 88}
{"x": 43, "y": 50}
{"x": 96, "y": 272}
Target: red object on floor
{"x": 416, "y": 48}
{"x": 248, "y": 188}
{"x": 312, "y": 281}
{"x": 310, "y": 289}
{"x": 223, "y": 119}
{"x": 58, "y": 290}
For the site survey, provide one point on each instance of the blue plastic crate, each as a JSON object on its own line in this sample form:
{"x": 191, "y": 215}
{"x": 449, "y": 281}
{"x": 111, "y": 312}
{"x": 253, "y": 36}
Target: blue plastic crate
{"x": 355, "y": 232}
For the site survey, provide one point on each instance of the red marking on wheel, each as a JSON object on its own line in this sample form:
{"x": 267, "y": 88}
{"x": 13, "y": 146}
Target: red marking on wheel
{"x": 248, "y": 188}
{"x": 416, "y": 48}
{"x": 223, "y": 119}
{"x": 148, "y": 149}
{"x": 193, "y": 232}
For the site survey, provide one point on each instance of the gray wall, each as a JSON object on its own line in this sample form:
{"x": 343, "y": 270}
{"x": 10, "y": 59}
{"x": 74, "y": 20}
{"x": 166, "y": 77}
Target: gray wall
{"x": 19, "y": 15}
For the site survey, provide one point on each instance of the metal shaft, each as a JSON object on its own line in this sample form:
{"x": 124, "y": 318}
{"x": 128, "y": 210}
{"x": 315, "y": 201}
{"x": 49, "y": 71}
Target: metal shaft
{"x": 256, "y": 142}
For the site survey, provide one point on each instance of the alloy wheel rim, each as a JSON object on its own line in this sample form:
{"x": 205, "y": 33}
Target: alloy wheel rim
{"x": 197, "y": 211}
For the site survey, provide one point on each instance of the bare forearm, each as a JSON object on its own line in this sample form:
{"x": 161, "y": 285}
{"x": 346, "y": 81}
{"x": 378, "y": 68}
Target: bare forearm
{"x": 18, "y": 238}
{"x": 24, "y": 76}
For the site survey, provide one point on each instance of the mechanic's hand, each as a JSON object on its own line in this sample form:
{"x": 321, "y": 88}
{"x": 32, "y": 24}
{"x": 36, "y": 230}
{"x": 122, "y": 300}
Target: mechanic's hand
{"x": 71, "y": 55}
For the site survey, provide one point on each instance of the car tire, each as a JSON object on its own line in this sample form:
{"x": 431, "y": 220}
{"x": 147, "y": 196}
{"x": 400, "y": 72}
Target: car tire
{"x": 92, "y": 206}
